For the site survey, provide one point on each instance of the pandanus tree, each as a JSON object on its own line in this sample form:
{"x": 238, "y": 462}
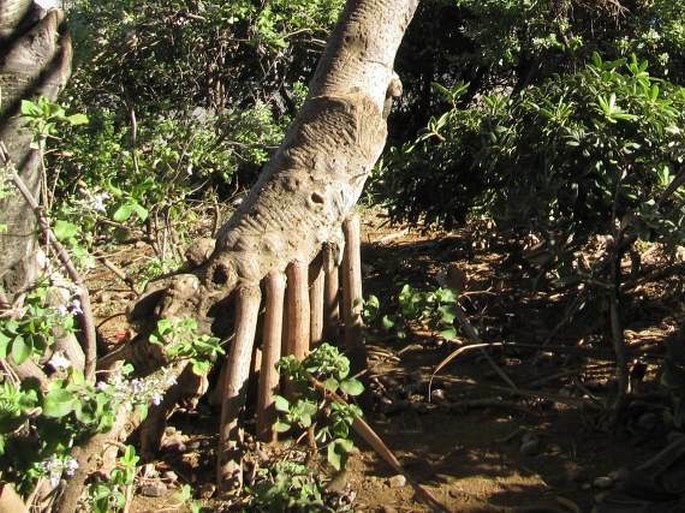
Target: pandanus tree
{"x": 292, "y": 225}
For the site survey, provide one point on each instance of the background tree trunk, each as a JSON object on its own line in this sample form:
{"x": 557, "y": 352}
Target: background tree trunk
{"x": 36, "y": 60}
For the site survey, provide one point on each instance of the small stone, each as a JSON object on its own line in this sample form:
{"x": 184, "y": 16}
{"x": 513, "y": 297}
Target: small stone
{"x": 530, "y": 447}
{"x": 530, "y": 443}
{"x": 149, "y": 470}
{"x": 207, "y": 490}
{"x": 603, "y": 482}
{"x": 578, "y": 475}
{"x": 170, "y": 476}
{"x": 438, "y": 395}
{"x": 154, "y": 489}
{"x": 397, "y": 481}
{"x": 387, "y": 509}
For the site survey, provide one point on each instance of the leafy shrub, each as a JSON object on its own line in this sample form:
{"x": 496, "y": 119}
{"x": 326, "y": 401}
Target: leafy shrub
{"x": 568, "y": 158}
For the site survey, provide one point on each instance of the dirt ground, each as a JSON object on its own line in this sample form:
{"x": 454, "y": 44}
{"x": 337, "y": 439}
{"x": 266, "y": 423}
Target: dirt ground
{"x": 522, "y": 425}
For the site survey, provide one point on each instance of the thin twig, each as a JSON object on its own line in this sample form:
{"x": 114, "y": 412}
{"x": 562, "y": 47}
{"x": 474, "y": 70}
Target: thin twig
{"x": 473, "y": 335}
{"x": 453, "y": 355}
{"x": 118, "y": 272}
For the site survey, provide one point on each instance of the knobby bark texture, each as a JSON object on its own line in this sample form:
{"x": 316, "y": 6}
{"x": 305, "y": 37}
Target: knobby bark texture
{"x": 35, "y": 60}
{"x": 315, "y": 178}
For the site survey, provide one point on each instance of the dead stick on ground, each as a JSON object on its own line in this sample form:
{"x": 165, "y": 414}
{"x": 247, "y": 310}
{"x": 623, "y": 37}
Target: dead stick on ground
{"x": 453, "y": 355}
{"x": 367, "y": 433}
{"x": 118, "y": 272}
{"x": 475, "y": 337}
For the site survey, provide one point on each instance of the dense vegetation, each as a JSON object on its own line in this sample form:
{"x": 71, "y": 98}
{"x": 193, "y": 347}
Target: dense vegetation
{"x": 558, "y": 120}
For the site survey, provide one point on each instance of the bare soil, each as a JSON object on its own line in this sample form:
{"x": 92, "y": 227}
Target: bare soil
{"x": 527, "y": 425}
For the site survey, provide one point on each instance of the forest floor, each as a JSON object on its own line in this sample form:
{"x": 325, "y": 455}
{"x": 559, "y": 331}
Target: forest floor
{"x": 526, "y": 425}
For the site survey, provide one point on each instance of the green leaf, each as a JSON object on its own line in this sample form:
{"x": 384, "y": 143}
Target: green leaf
{"x": 334, "y": 457}
{"x": 449, "y": 333}
{"x": 352, "y": 387}
{"x": 387, "y": 322}
{"x": 4, "y": 345}
{"x": 77, "y": 119}
{"x": 64, "y": 230}
{"x": 281, "y": 426}
{"x": 331, "y": 384}
{"x": 123, "y": 213}
{"x": 21, "y": 350}
{"x": 447, "y": 314}
{"x": 281, "y": 404}
{"x": 140, "y": 211}
{"x": 30, "y": 109}
{"x": 58, "y": 403}
{"x": 201, "y": 367}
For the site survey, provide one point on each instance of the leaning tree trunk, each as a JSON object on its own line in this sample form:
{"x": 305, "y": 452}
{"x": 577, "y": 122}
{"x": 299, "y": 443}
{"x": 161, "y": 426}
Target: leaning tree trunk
{"x": 35, "y": 61}
{"x": 300, "y": 201}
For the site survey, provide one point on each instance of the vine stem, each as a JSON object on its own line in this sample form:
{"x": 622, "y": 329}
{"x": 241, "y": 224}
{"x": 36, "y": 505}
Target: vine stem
{"x": 88, "y": 326}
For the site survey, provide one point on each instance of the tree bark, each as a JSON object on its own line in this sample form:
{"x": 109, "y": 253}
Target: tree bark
{"x": 315, "y": 178}
{"x": 36, "y": 60}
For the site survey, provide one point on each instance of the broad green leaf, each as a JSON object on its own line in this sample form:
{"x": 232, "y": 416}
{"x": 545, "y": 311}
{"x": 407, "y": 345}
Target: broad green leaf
{"x": 281, "y": 427}
{"x": 387, "y": 323}
{"x": 123, "y": 213}
{"x": 21, "y": 350}
{"x": 449, "y": 333}
{"x": 4, "y": 344}
{"x": 64, "y": 230}
{"x": 140, "y": 211}
{"x": 58, "y": 403}
{"x": 352, "y": 387}
{"x": 281, "y": 403}
{"x": 30, "y": 109}
{"x": 447, "y": 314}
{"x": 77, "y": 119}
{"x": 334, "y": 457}
{"x": 201, "y": 367}
{"x": 331, "y": 384}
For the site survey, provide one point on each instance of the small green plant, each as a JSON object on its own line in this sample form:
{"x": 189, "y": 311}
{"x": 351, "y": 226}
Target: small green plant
{"x": 44, "y": 116}
{"x": 69, "y": 409}
{"x": 185, "y": 496}
{"x": 30, "y": 330}
{"x": 435, "y": 308}
{"x": 182, "y": 340}
{"x": 317, "y": 380}
{"x": 318, "y": 385}
{"x": 109, "y": 496}
{"x": 287, "y": 486}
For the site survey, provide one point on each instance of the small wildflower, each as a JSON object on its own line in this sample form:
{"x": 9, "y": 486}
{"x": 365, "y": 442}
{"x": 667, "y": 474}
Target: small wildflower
{"x": 55, "y": 466}
{"x": 59, "y": 362}
{"x": 98, "y": 201}
{"x": 75, "y": 306}
{"x": 157, "y": 398}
